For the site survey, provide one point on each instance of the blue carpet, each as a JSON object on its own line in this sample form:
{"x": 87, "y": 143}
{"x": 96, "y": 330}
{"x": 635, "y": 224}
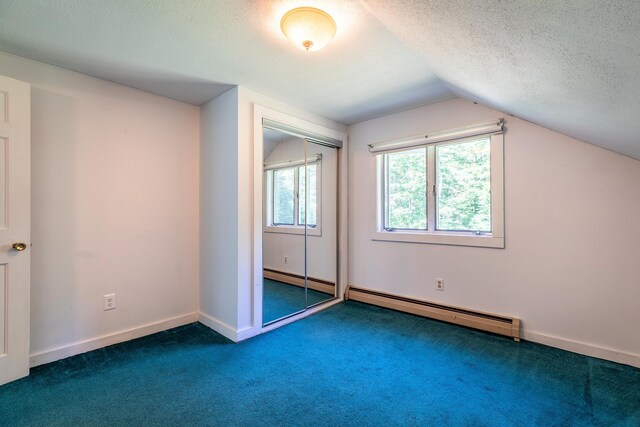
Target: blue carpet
{"x": 351, "y": 364}
{"x": 280, "y": 299}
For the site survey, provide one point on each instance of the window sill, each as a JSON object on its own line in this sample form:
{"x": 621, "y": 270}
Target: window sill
{"x": 439, "y": 238}
{"x": 284, "y": 229}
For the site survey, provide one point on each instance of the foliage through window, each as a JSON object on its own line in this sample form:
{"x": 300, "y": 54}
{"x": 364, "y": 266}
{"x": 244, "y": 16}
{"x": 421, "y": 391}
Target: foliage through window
{"x": 463, "y": 179}
{"x": 442, "y": 192}
{"x": 458, "y": 198}
{"x": 406, "y": 190}
{"x": 283, "y": 196}
{"x": 310, "y": 217}
{"x": 288, "y": 196}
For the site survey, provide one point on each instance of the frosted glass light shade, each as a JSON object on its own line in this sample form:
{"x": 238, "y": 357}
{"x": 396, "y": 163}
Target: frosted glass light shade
{"x": 308, "y": 28}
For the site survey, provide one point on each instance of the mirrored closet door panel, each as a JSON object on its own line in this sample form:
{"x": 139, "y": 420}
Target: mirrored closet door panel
{"x": 319, "y": 213}
{"x": 283, "y": 238}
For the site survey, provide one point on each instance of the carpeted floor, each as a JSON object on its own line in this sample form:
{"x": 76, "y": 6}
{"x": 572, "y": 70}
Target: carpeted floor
{"x": 351, "y": 364}
{"x": 281, "y": 299}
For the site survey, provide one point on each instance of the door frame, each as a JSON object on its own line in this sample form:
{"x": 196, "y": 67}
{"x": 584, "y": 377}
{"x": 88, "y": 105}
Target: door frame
{"x": 261, "y": 112}
{"x": 16, "y": 127}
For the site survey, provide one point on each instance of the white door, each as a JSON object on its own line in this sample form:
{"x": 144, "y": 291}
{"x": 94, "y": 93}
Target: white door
{"x": 14, "y": 228}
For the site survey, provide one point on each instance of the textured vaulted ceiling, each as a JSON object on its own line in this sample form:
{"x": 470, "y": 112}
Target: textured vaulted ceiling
{"x": 567, "y": 65}
{"x": 570, "y": 65}
{"x": 193, "y": 50}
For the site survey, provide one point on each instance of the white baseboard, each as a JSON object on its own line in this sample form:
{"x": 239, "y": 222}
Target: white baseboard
{"x": 52, "y": 355}
{"x": 222, "y": 328}
{"x": 579, "y": 347}
{"x": 246, "y": 333}
{"x": 218, "y": 326}
{"x": 302, "y": 315}
{"x": 249, "y": 332}
{"x": 583, "y": 348}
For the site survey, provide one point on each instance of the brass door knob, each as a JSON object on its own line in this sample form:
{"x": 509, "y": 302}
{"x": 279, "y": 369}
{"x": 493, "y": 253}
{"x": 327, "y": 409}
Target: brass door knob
{"x": 19, "y": 246}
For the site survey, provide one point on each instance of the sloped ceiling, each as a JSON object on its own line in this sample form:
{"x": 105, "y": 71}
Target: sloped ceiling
{"x": 567, "y": 65}
{"x": 192, "y": 50}
{"x": 271, "y": 139}
{"x": 570, "y": 65}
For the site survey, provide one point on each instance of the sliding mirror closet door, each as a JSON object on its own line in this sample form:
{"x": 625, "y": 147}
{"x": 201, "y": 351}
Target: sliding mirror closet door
{"x": 283, "y": 238}
{"x": 319, "y": 213}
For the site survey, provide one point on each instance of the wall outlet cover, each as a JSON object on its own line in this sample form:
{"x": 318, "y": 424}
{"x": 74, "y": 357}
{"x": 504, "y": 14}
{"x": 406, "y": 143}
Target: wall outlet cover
{"x": 109, "y": 302}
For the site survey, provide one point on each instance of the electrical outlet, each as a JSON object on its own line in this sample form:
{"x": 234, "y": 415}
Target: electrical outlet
{"x": 439, "y": 284}
{"x": 286, "y": 259}
{"x": 109, "y": 302}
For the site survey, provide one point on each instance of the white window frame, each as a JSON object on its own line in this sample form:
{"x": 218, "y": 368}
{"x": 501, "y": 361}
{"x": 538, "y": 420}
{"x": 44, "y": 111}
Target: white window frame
{"x": 494, "y": 239}
{"x": 269, "y": 226}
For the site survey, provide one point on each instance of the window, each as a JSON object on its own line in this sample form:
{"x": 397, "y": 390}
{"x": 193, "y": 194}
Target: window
{"x": 284, "y": 195}
{"x": 405, "y": 190}
{"x": 310, "y": 218}
{"x": 463, "y": 194}
{"x": 287, "y": 200}
{"x": 447, "y": 192}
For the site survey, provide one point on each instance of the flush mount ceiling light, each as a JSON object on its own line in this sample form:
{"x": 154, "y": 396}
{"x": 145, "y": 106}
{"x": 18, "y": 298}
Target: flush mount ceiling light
{"x": 308, "y": 28}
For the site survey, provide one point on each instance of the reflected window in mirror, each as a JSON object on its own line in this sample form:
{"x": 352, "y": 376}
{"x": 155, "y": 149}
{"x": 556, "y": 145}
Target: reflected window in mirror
{"x": 310, "y": 218}
{"x": 289, "y": 207}
{"x": 284, "y": 191}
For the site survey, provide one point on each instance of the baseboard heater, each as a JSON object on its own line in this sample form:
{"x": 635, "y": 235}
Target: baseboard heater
{"x": 502, "y": 325}
{"x": 297, "y": 280}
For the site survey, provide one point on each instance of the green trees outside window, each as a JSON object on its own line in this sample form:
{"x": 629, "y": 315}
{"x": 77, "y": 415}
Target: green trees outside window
{"x": 462, "y": 187}
{"x": 283, "y": 196}
{"x": 406, "y": 190}
{"x": 463, "y": 195}
{"x": 289, "y": 193}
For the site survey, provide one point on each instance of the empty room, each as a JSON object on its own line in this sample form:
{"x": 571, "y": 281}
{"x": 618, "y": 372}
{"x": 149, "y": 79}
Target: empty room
{"x": 338, "y": 212}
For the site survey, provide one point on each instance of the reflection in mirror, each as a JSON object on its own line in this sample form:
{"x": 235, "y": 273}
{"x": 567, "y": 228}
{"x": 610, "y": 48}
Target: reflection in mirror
{"x": 300, "y": 224}
{"x": 283, "y": 238}
{"x": 320, "y": 210}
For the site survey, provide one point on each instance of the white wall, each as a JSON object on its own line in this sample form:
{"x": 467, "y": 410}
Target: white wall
{"x": 115, "y": 194}
{"x": 114, "y": 205}
{"x": 321, "y": 249}
{"x": 226, "y": 286}
{"x": 570, "y": 268}
{"x": 247, "y": 100}
{"x": 219, "y": 211}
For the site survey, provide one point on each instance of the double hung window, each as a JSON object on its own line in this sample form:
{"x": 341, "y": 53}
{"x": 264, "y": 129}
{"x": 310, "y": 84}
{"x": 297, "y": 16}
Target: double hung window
{"x": 448, "y": 191}
{"x": 289, "y": 207}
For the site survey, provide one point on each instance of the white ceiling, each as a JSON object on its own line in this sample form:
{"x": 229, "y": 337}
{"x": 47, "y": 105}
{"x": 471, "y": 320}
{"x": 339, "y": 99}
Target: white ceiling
{"x": 192, "y": 50}
{"x": 569, "y": 65}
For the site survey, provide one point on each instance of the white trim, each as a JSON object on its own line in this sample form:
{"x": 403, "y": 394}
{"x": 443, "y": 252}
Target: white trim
{"x": 225, "y": 330}
{"x": 259, "y": 113}
{"x": 431, "y": 179}
{"x": 218, "y": 326}
{"x": 267, "y": 212}
{"x": 302, "y": 132}
{"x": 439, "y": 136}
{"x": 52, "y": 355}
{"x": 583, "y": 348}
{"x": 301, "y": 315}
{"x": 246, "y": 333}
{"x": 496, "y": 239}
{"x": 291, "y": 163}
{"x": 58, "y": 353}
{"x": 497, "y": 186}
{"x": 293, "y": 229}
{"x": 439, "y": 238}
